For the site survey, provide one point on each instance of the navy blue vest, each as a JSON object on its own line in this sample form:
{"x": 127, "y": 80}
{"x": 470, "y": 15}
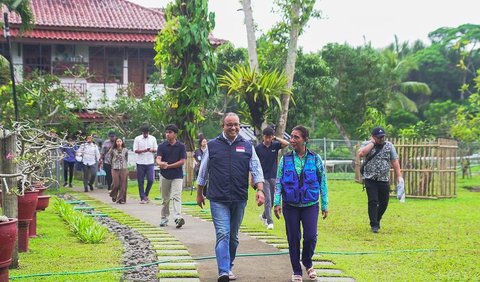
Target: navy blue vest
{"x": 228, "y": 168}
{"x": 303, "y": 189}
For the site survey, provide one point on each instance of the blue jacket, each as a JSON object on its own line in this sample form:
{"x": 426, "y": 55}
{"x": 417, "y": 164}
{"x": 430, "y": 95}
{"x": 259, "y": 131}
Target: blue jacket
{"x": 300, "y": 189}
{"x": 228, "y": 168}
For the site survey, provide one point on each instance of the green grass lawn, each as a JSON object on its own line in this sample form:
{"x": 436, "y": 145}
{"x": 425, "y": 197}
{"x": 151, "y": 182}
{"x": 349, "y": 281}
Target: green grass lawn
{"x": 56, "y": 249}
{"x": 448, "y": 227}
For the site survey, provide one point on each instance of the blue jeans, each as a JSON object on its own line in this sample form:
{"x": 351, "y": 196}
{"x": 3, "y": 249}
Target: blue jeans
{"x": 227, "y": 217}
{"x": 142, "y": 171}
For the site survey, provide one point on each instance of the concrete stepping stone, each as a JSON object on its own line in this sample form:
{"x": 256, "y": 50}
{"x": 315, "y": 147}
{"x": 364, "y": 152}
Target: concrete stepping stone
{"x": 172, "y": 252}
{"x": 333, "y": 279}
{"x": 322, "y": 271}
{"x": 185, "y": 272}
{"x": 169, "y": 247}
{"x": 322, "y": 263}
{"x": 177, "y": 265}
{"x": 172, "y": 259}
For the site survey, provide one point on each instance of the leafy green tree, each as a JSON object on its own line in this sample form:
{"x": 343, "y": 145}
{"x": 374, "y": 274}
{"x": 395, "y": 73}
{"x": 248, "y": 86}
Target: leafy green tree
{"x": 467, "y": 126}
{"x": 295, "y": 16}
{"x": 465, "y": 40}
{"x": 311, "y": 76}
{"x": 358, "y": 80}
{"x": 42, "y": 101}
{"x": 127, "y": 114}
{"x": 400, "y": 119}
{"x": 188, "y": 64}
{"x": 440, "y": 115}
{"x": 259, "y": 91}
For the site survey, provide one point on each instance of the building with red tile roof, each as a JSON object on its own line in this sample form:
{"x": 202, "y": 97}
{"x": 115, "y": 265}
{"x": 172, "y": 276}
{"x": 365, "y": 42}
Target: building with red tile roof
{"x": 112, "y": 39}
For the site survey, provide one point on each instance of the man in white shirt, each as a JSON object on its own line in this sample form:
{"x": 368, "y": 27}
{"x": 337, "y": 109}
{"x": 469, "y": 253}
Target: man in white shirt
{"x": 91, "y": 161}
{"x": 145, "y": 146}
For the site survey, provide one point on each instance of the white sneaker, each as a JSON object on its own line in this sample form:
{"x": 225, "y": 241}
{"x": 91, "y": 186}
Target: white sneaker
{"x": 264, "y": 220}
{"x": 270, "y": 226}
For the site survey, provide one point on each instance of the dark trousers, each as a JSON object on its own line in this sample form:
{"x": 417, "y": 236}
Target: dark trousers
{"x": 308, "y": 217}
{"x": 108, "y": 175}
{"x": 142, "y": 171}
{"x": 68, "y": 171}
{"x": 89, "y": 175}
{"x": 378, "y": 196}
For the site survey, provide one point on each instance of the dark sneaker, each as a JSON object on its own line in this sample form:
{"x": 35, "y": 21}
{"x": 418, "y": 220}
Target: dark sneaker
{"x": 223, "y": 278}
{"x": 70, "y": 185}
{"x": 180, "y": 222}
{"x": 375, "y": 229}
{"x": 163, "y": 222}
{"x": 65, "y": 184}
{"x": 91, "y": 187}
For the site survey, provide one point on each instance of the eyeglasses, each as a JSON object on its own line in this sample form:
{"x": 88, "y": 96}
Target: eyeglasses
{"x": 232, "y": 124}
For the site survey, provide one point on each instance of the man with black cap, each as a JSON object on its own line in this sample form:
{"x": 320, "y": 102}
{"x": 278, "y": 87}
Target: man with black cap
{"x": 145, "y": 146}
{"x": 379, "y": 154}
{"x": 267, "y": 152}
{"x": 171, "y": 155}
{"x": 106, "y": 158}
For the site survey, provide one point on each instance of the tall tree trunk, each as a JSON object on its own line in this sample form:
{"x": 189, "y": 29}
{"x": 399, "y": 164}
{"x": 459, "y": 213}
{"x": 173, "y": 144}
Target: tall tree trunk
{"x": 251, "y": 40}
{"x": 344, "y": 134}
{"x": 289, "y": 67}
{"x": 7, "y": 166}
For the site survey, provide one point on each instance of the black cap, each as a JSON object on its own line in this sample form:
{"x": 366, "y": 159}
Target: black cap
{"x": 111, "y": 133}
{"x": 268, "y": 131}
{"x": 378, "y": 132}
{"x": 172, "y": 127}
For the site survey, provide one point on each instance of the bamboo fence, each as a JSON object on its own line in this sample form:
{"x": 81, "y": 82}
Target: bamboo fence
{"x": 428, "y": 167}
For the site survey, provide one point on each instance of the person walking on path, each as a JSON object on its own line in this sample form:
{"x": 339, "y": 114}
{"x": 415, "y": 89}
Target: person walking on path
{"x": 301, "y": 184}
{"x": 198, "y": 155}
{"x": 267, "y": 152}
{"x": 226, "y": 165}
{"x": 69, "y": 151}
{"x": 107, "y": 144}
{"x": 376, "y": 172}
{"x": 171, "y": 155}
{"x": 91, "y": 162}
{"x": 118, "y": 156}
{"x": 145, "y": 146}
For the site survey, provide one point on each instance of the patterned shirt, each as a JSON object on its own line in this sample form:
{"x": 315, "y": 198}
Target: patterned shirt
{"x": 378, "y": 168}
{"x": 119, "y": 158}
{"x": 299, "y": 164}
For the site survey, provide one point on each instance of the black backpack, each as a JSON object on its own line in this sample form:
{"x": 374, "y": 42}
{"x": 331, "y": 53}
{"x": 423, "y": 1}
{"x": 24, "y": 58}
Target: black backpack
{"x": 378, "y": 148}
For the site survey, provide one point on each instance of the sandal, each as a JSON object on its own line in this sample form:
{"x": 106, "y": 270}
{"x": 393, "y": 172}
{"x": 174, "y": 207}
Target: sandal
{"x": 297, "y": 278}
{"x": 312, "y": 273}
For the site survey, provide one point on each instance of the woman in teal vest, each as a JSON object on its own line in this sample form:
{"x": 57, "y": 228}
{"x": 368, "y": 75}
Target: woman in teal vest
{"x": 301, "y": 184}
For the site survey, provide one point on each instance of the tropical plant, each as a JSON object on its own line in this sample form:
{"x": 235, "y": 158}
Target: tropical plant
{"x": 85, "y": 228}
{"x": 23, "y": 9}
{"x": 188, "y": 64}
{"x": 259, "y": 91}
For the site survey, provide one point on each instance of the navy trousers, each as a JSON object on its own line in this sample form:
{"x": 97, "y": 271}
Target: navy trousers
{"x": 308, "y": 218}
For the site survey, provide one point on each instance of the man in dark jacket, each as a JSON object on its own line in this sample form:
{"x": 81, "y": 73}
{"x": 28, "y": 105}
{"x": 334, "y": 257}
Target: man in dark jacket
{"x": 225, "y": 165}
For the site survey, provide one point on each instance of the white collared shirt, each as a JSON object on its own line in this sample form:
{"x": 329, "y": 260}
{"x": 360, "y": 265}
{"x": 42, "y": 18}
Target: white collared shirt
{"x": 142, "y": 143}
{"x": 90, "y": 153}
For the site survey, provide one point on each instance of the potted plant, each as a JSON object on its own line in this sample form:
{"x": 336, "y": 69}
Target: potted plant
{"x": 8, "y": 235}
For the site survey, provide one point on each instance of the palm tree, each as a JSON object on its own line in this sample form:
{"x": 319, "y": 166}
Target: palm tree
{"x": 23, "y": 9}
{"x": 255, "y": 92}
{"x": 400, "y": 68}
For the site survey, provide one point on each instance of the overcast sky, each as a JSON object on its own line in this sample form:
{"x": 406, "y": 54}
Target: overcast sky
{"x": 351, "y": 21}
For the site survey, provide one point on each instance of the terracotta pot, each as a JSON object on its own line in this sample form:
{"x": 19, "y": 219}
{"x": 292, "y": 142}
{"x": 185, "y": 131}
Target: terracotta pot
{"x": 8, "y": 235}
{"x": 39, "y": 186}
{"x": 26, "y": 208}
{"x": 42, "y": 204}
{"x": 27, "y": 205}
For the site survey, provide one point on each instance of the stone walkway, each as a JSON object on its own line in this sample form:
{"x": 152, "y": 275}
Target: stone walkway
{"x": 198, "y": 236}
